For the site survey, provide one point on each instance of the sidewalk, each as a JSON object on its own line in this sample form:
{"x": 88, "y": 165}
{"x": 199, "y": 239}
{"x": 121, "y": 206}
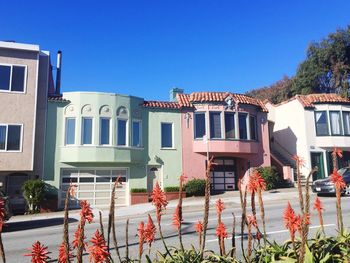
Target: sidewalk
{"x": 229, "y": 198}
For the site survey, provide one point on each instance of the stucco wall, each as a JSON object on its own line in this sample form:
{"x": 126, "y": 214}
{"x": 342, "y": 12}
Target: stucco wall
{"x": 20, "y": 108}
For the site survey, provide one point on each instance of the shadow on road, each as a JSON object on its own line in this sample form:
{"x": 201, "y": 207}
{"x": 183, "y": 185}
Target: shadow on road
{"x": 32, "y": 224}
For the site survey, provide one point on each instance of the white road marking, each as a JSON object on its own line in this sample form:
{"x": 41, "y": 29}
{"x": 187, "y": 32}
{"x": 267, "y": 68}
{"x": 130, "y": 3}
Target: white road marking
{"x": 273, "y": 232}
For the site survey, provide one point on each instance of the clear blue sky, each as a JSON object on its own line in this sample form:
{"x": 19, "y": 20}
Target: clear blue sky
{"x": 144, "y": 48}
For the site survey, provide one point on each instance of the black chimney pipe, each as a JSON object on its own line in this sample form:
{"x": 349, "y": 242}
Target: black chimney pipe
{"x": 58, "y": 73}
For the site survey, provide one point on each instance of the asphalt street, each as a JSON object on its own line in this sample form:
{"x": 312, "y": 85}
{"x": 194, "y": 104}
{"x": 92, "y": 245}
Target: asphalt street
{"x": 19, "y": 236}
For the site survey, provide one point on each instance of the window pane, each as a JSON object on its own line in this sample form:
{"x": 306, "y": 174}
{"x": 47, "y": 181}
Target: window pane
{"x": 242, "y": 119}
{"x": 136, "y": 139}
{"x": 122, "y": 132}
{"x": 167, "y": 135}
{"x": 104, "y": 131}
{"x": 13, "y": 138}
{"x": 70, "y": 131}
{"x": 18, "y": 73}
{"x": 252, "y": 123}
{"x": 321, "y": 123}
{"x": 335, "y": 122}
{"x": 87, "y": 131}
{"x": 215, "y": 124}
{"x": 5, "y": 73}
{"x": 2, "y": 137}
{"x": 346, "y": 122}
{"x": 199, "y": 119}
{"x": 230, "y": 125}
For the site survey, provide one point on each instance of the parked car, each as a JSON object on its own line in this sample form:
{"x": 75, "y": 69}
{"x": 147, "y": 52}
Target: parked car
{"x": 325, "y": 186}
{"x": 8, "y": 211}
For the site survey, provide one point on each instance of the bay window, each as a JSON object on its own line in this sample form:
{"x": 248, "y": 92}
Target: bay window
{"x": 229, "y": 125}
{"x": 335, "y": 122}
{"x": 199, "y": 125}
{"x": 253, "y": 130}
{"x": 70, "y": 131}
{"x": 86, "y": 131}
{"x": 136, "y": 133}
{"x": 215, "y": 125}
{"x": 242, "y": 120}
{"x": 321, "y": 121}
{"x": 346, "y": 122}
{"x": 105, "y": 131}
{"x": 121, "y": 132}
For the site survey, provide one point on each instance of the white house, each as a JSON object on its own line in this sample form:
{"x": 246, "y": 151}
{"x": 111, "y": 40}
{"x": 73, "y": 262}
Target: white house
{"x": 310, "y": 126}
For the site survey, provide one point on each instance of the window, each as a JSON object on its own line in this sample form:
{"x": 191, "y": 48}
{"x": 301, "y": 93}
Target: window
{"x": 86, "y": 131}
{"x": 335, "y": 122}
{"x": 215, "y": 125}
{"x": 105, "y": 131}
{"x": 136, "y": 134}
{"x": 12, "y": 78}
{"x": 167, "y": 135}
{"x": 70, "y": 131}
{"x": 199, "y": 125}
{"x": 121, "y": 140}
{"x": 242, "y": 120}
{"x": 10, "y": 137}
{"x": 229, "y": 125}
{"x": 321, "y": 123}
{"x": 253, "y": 132}
{"x": 346, "y": 122}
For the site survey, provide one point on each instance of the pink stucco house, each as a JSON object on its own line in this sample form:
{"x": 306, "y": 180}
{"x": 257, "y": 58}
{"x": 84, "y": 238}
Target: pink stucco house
{"x": 231, "y": 127}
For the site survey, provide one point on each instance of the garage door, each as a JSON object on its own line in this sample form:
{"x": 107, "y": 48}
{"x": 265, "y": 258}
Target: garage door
{"x": 95, "y": 185}
{"x": 223, "y": 175}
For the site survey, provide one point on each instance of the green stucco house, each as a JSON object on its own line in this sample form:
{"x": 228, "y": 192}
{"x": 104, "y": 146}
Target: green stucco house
{"x": 93, "y": 138}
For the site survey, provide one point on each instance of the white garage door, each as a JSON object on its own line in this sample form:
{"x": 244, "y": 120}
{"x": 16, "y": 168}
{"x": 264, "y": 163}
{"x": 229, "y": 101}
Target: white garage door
{"x": 95, "y": 185}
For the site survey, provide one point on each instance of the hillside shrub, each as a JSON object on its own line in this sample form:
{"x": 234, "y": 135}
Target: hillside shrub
{"x": 270, "y": 176}
{"x": 168, "y": 189}
{"x": 195, "y": 187}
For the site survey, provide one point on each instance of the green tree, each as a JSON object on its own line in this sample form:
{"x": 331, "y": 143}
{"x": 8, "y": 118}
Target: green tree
{"x": 326, "y": 67}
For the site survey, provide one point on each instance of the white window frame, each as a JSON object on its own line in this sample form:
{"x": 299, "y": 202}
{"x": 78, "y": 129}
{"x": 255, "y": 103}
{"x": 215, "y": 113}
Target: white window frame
{"x": 25, "y": 78}
{"x": 82, "y": 130}
{"x": 6, "y": 137}
{"x": 140, "y": 132}
{"x": 172, "y": 135}
{"x": 65, "y": 131}
{"x": 221, "y": 125}
{"x": 110, "y": 131}
{"x": 126, "y": 132}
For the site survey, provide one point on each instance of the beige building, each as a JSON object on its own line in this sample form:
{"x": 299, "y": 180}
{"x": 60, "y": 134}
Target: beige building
{"x": 24, "y": 81}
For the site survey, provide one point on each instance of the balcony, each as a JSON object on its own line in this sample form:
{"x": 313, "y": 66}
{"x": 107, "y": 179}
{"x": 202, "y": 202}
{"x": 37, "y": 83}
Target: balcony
{"x": 226, "y": 146}
{"x": 101, "y": 154}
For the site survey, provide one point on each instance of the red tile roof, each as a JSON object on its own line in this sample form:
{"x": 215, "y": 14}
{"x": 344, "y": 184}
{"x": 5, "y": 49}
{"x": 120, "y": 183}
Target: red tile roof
{"x": 187, "y": 100}
{"x": 161, "y": 104}
{"x": 309, "y": 100}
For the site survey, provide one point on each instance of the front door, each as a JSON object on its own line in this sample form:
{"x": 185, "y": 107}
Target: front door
{"x": 153, "y": 176}
{"x": 317, "y": 160}
{"x": 14, "y": 190}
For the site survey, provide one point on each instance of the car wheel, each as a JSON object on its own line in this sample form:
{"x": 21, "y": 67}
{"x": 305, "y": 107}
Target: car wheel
{"x": 347, "y": 190}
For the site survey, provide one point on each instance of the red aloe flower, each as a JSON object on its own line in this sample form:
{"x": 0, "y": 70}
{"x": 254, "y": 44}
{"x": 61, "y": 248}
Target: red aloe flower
{"x": 221, "y": 231}
{"x": 290, "y": 220}
{"x": 158, "y": 200}
{"x": 150, "y": 230}
{"x": 256, "y": 182}
{"x": 338, "y": 180}
{"x": 337, "y": 152}
{"x": 300, "y": 161}
{"x": 62, "y": 258}
{"x": 98, "y": 250}
{"x": 258, "y": 236}
{"x": 318, "y": 205}
{"x": 177, "y": 218}
{"x": 76, "y": 239}
{"x": 252, "y": 221}
{"x": 86, "y": 211}
{"x": 2, "y": 213}
{"x": 141, "y": 234}
{"x": 219, "y": 206}
{"x": 38, "y": 253}
{"x": 199, "y": 227}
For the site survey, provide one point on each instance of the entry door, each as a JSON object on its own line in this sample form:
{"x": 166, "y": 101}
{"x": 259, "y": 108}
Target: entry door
{"x": 153, "y": 176}
{"x": 317, "y": 160}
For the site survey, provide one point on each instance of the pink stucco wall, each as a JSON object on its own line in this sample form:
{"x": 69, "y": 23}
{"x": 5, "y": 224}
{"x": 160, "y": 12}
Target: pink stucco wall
{"x": 245, "y": 152}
